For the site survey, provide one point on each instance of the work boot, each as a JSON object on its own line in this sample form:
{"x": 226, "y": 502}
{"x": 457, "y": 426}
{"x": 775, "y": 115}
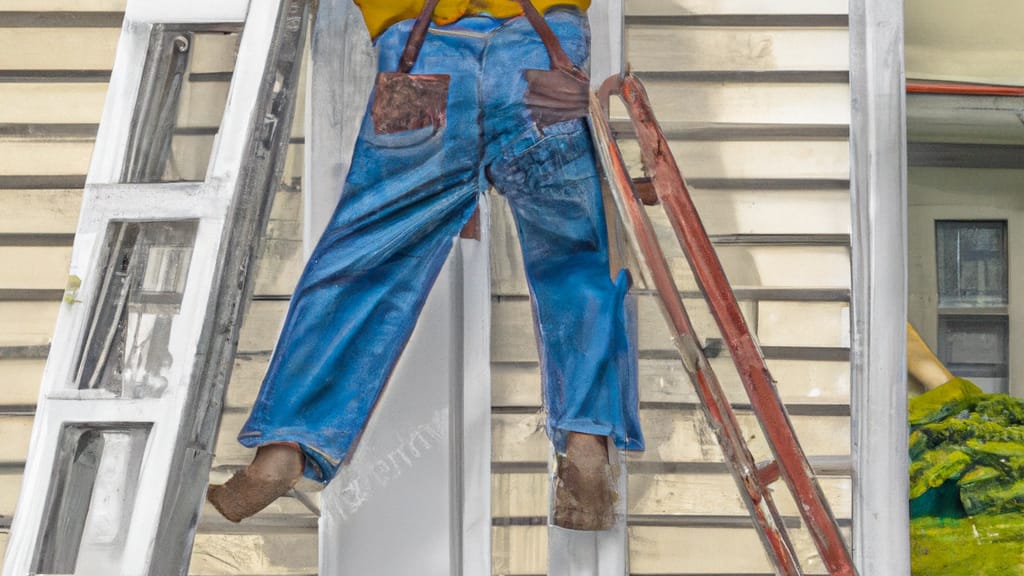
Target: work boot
{"x": 273, "y": 472}
{"x": 585, "y": 490}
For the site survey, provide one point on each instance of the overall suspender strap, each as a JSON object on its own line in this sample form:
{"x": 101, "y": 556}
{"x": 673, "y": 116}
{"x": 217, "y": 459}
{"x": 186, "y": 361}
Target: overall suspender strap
{"x": 416, "y": 37}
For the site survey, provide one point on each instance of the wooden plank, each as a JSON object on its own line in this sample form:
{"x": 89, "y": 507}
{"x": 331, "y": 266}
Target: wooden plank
{"x": 685, "y": 7}
{"x": 804, "y": 324}
{"x": 34, "y": 267}
{"x": 240, "y": 553}
{"x": 279, "y": 267}
{"x": 775, "y": 212}
{"x": 202, "y": 104}
{"x": 261, "y": 327}
{"x": 515, "y": 342}
{"x": 724, "y": 212}
{"x": 16, "y": 431}
{"x": 93, "y": 49}
{"x": 59, "y": 48}
{"x": 679, "y": 435}
{"x": 757, "y": 160}
{"x": 707, "y": 550}
{"x": 19, "y": 382}
{"x": 27, "y": 323}
{"x": 65, "y": 6}
{"x": 522, "y": 551}
{"x": 666, "y": 495}
{"x": 39, "y": 211}
{"x": 57, "y": 211}
{"x": 519, "y": 550}
{"x": 669, "y": 495}
{"x": 52, "y": 102}
{"x": 246, "y": 379}
{"x": 24, "y": 156}
{"x": 799, "y": 382}
{"x": 747, "y": 103}
{"x": 190, "y": 155}
{"x": 10, "y": 487}
{"x": 214, "y": 52}
{"x": 721, "y": 48}
{"x": 227, "y": 451}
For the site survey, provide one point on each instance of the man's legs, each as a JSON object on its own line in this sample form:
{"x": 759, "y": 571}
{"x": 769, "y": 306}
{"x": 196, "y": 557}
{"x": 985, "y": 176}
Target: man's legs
{"x": 550, "y": 178}
{"x": 355, "y": 306}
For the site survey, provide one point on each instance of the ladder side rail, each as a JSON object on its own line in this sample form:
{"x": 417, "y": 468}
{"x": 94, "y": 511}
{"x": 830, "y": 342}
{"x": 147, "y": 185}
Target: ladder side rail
{"x": 257, "y": 162}
{"x": 654, "y": 270}
{"x": 229, "y": 208}
{"x": 746, "y": 353}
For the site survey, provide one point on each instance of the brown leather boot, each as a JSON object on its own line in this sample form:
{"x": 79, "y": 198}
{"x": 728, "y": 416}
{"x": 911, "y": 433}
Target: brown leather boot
{"x": 273, "y": 472}
{"x": 585, "y": 490}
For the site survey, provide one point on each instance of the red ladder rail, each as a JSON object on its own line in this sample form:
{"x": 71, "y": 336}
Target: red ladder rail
{"x": 790, "y": 462}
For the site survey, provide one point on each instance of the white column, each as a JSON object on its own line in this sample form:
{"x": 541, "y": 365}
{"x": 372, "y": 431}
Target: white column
{"x": 878, "y": 189}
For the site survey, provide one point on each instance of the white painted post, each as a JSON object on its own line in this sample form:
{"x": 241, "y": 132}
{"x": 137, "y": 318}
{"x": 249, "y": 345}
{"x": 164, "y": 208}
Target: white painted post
{"x": 878, "y": 187}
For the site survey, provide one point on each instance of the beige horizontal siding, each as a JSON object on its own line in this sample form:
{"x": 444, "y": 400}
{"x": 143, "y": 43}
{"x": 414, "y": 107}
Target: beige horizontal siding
{"x": 754, "y": 159}
{"x": 804, "y": 382}
{"x": 672, "y": 48}
{"x": 747, "y": 103}
{"x": 522, "y": 551}
{"x": 671, "y": 494}
{"x": 15, "y": 430}
{"x": 673, "y": 435}
{"x": 39, "y": 211}
{"x": 27, "y": 323}
{"x": 65, "y": 5}
{"x": 35, "y": 103}
{"x": 20, "y": 380}
{"x": 744, "y": 7}
{"x": 59, "y": 48}
{"x": 821, "y": 323}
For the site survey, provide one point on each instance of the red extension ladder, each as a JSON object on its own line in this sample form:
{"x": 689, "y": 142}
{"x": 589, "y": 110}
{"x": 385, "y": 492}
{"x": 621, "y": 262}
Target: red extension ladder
{"x": 790, "y": 463}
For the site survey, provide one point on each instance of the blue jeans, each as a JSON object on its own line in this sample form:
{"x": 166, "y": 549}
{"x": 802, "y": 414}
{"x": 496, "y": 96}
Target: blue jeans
{"x": 407, "y": 195}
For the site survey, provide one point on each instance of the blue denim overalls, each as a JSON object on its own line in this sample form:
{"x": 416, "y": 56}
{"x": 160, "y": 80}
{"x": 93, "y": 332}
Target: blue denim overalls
{"x": 407, "y": 195}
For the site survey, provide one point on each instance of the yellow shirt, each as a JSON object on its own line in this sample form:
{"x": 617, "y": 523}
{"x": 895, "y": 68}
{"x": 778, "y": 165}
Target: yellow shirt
{"x": 379, "y": 14}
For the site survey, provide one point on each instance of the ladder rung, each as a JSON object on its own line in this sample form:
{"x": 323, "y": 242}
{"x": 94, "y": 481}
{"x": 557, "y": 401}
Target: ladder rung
{"x": 645, "y": 191}
{"x": 768, "y": 472}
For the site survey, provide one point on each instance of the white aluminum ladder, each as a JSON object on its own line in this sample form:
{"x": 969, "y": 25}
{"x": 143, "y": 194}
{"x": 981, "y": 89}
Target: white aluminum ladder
{"x": 160, "y": 275}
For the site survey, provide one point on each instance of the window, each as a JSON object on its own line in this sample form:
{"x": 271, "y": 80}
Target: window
{"x": 128, "y": 350}
{"x": 973, "y": 297}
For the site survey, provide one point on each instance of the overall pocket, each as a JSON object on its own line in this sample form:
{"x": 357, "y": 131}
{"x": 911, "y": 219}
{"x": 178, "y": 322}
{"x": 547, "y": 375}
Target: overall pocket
{"x": 404, "y": 102}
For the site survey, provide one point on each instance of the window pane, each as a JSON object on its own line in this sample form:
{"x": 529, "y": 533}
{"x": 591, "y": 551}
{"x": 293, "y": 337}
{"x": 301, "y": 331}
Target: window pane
{"x": 976, "y": 347}
{"x": 971, "y": 263}
{"x": 128, "y": 348}
{"x": 184, "y": 94}
{"x": 86, "y": 521}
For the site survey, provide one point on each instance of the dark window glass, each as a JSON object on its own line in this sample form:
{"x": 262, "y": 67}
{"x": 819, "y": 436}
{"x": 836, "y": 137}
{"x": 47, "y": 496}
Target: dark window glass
{"x": 971, "y": 263}
{"x": 977, "y": 347}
